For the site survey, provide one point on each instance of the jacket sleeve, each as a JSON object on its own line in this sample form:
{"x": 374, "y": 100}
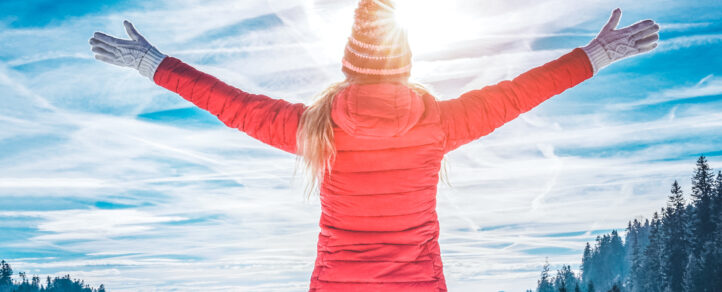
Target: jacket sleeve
{"x": 272, "y": 121}
{"x": 479, "y": 112}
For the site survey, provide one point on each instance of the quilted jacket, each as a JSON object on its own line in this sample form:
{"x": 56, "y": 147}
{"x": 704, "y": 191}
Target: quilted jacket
{"x": 379, "y": 227}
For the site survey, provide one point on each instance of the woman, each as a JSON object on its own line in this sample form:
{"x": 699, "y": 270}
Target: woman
{"x": 374, "y": 143}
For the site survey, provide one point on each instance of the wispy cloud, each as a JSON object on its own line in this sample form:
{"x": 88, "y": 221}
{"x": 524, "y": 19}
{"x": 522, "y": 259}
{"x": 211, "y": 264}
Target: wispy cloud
{"x": 707, "y": 86}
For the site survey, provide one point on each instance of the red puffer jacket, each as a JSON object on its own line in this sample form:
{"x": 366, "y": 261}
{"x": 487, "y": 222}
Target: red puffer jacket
{"x": 379, "y": 229}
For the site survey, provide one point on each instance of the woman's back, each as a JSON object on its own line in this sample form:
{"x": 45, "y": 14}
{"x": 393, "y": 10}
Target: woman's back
{"x": 379, "y": 229}
{"x": 378, "y": 221}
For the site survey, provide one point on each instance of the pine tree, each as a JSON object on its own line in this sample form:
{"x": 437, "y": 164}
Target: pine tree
{"x": 702, "y": 225}
{"x": 586, "y": 266}
{"x": 616, "y": 257}
{"x": 714, "y": 264}
{"x": 629, "y": 237}
{"x": 602, "y": 272}
{"x": 545, "y": 282}
{"x": 643, "y": 235}
{"x": 634, "y": 256}
{"x": 638, "y": 276}
{"x": 565, "y": 279}
{"x": 590, "y": 287}
{"x": 717, "y": 209}
{"x": 652, "y": 262}
{"x": 674, "y": 240}
{"x": 604, "y": 263}
{"x": 36, "y": 281}
{"x": 693, "y": 279}
{"x": 717, "y": 197}
{"x": 5, "y": 276}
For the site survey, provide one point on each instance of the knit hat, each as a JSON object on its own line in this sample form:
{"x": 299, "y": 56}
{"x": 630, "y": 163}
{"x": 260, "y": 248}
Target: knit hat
{"x": 378, "y": 49}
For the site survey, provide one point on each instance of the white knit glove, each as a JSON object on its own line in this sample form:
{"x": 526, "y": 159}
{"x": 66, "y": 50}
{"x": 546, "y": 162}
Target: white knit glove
{"x": 136, "y": 53}
{"x": 614, "y": 44}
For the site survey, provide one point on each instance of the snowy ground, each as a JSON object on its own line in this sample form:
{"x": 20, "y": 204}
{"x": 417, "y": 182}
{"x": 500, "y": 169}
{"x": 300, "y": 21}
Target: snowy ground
{"x": 107, "y": 177}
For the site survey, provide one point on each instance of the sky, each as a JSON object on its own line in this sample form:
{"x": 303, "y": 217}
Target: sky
{"x": 114, "y": 180}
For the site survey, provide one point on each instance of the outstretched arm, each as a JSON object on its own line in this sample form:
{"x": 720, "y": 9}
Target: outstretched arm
{"x": 272, "y": 121}
{"x": 479, "y": 112}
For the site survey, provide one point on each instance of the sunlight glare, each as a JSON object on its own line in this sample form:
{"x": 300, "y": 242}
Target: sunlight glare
{"x": 431, "y": 25}
{"x": 434, "y": 24}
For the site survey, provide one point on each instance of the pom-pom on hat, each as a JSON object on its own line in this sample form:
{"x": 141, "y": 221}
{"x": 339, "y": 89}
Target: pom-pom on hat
{"x": 378, "y": 49}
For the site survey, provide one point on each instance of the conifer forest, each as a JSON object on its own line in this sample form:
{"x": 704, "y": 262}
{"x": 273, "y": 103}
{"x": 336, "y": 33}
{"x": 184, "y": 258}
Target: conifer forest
{"x": 678, "y": 249}
{"x": 35, "y": 284}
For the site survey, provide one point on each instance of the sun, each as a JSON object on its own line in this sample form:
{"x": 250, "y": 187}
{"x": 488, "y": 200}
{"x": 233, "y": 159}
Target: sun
{"x": 431, "y": 25}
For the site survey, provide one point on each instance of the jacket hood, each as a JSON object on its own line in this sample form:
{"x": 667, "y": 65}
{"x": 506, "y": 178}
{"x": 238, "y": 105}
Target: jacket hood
{"x": 377, "y": 110}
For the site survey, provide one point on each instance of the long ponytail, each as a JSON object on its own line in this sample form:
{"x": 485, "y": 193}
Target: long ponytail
{"x": 315, "y": 139}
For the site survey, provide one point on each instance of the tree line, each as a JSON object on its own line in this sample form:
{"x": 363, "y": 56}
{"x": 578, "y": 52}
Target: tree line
{"x": 57, "y": 284}
{"x": 679, "y": 249}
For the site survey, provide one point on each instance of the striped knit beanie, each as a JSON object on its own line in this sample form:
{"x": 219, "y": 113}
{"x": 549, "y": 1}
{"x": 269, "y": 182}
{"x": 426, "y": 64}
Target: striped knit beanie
{"x": 378, "y": 49}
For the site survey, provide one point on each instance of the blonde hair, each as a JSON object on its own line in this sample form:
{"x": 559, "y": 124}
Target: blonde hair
{"x": 315, "y": 137}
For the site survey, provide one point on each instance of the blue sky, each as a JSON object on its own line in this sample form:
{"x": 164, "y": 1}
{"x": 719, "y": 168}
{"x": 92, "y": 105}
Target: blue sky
{"x": 112, "y": 179}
